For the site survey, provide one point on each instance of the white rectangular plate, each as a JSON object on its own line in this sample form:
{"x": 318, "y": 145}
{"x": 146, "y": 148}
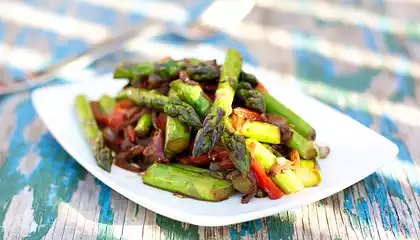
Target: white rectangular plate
{"x": 356, "y": 152}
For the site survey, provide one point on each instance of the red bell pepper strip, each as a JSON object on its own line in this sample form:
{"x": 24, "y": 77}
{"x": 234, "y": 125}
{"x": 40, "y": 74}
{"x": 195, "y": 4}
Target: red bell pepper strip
{"x": 241, "y": 115}
{"x": 261, "y": 88}
{"x": 116, "y": 119}
{"x": 131, "y": 133}
{"x": 264, "y": 181}
{"x": 247, "y": 114}
{"x": 124, "y": 104}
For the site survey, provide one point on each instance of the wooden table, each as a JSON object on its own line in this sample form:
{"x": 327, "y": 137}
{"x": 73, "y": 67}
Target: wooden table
{"x": 361, "y": 57}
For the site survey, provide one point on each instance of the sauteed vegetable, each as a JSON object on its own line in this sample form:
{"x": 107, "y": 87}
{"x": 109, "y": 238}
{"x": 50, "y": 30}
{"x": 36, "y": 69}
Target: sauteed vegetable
{"x": 202, "y": 130}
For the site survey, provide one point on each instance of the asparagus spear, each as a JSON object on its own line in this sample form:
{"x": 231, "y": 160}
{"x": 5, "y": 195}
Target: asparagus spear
{"x": 286, "y": 180}
{"x": 177, "y": 134}
{"x": 214, "y": 123}
{"x": 144, "y": 124}
{"x": 238, "y": 153}
{"x": 191, "y": 93}
{"x": 272, "y": 150}
{"x": 101, "y": 152}
{"x": 309, "y": 173}
{"x": 263, "y": 132}
{"x": 300, "y": 125}
{"x": 270, "y": 133}
{"x": 305, "y": 148}
{"x": 107, "y": 103}
{"x": 251, "y": 98}
{"x": 153, "y": 99}
{"x": 202, "y": 171}
{"x": 249, "y": 78}
{"x": 170, "y": 69}
{"x": 187, "y": 182}
{"x": 177, "y": 137}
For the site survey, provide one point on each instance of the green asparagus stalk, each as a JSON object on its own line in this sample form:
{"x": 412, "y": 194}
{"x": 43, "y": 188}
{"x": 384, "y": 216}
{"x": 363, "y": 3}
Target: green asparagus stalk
{"x": 214, "y": 123}
{"x": 153, "y": 99}
{"x": 300, "y": 125}
{"x": 249, "y": 78}
{"x": 101, "y": 152}
{"x": 272, "y": 150}
{"x": 202, "y": 171}
{"x": 242, "y": 184}
{"x": 238, "y": 153}
{"x": 305, "y": 148}
{"x": 286, "y": 180}
{"x": 251, "y": 98}
{"x": 263, "y": 132}
{"x": 144, "y": 124}
{"x": 107, "y": 103}
{"x": 191, "y": 93}
{"x": 189, "y": 183}
{"x": 177, "y": 137}
{"x": 177, "y": 134}
{"x": 269, "y": 133}
{"x": 196, "y": 69}
{"x": 309, "y": 173}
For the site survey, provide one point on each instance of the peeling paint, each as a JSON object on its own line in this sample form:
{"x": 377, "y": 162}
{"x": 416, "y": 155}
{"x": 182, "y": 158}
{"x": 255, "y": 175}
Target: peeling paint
{"x": 173, "y": 229}
{"x": 54, "y": 181}
{"x": 281, "y": 226}
{"x": 349, "y": 210}
{"x": 249, "y": 228}
{"x": 106, "y": 214}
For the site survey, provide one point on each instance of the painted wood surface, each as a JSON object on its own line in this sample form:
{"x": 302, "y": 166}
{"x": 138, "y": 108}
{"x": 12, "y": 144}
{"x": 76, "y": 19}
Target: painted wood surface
{"x": 361, "y": 57}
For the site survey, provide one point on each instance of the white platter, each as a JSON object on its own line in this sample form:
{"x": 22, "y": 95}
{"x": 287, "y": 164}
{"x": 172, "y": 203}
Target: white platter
{"x": 356, "y": 152}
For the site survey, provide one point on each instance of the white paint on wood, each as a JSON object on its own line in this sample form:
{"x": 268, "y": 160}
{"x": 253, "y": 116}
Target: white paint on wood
{"x": 15, "y": 214}
{"x": 348, "y": 15}
{"x": 70, "y": 27}
{"x": 165, "y": 10}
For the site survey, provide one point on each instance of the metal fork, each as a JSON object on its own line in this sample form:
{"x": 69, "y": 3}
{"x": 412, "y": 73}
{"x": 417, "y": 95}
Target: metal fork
{"x": 214, "y": 18}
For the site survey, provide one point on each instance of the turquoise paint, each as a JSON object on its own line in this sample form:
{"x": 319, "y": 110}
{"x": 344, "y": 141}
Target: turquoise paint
{"x": 349, "y": 209}
{"x": 249, "y": 228}
{"x": 234, "y": 235}
{"x": 313, "y": 67}
{"x": 95, "y": 13}
{"x": 106, "y": 214}
{"x": 389, "y": 130}
{"x": 11, "y": 180}
{"x": 53, "y": 181}
{"x": 406, "y": 83}
{"x": 137, "y": 210}
{"x": 369, "y": 38}
{"x": 281, "y": 226}
{"x": 15, "y": 73}
{"x": 364, "y": 217}
{"x": 375, "y": 186}
{"x": 173, "y": 229}
{"x": 62, "y": 49}
{"x": 376, "y": 190}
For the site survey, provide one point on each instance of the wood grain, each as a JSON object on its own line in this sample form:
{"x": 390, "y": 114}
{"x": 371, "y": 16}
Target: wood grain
{"x": 359, "y": 66}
